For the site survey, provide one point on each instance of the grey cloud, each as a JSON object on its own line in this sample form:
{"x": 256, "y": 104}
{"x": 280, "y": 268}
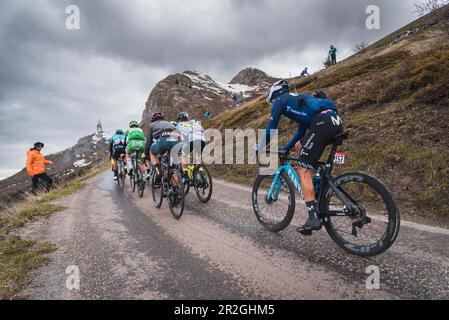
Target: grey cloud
{"x": 55, "y": 83}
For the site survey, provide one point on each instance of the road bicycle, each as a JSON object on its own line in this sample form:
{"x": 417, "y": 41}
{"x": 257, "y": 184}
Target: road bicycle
{"x": 136, "y": 179}
{"x": 121, "y": 175}
{"x": 167, "y": 183}
{"x": 356, "y": 209}
{"x": 199, "y": 177}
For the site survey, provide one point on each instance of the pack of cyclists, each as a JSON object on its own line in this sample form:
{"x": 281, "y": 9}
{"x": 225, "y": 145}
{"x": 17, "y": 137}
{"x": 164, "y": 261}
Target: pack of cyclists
{"x": 188, "y": 135}
{"x": 316, "y": 116}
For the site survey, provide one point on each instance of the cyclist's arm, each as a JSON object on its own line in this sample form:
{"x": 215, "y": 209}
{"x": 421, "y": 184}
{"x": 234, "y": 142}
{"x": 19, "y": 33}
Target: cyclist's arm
{"x": 110, "y": 148}
{"x": 298, "y": 136}
{"x": 149, "y": 142}
{"x": 276, "y": 114}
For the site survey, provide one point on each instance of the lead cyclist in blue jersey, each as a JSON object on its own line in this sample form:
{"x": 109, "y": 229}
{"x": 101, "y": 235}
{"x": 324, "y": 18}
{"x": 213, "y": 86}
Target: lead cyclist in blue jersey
{"x": 318, "y": 122}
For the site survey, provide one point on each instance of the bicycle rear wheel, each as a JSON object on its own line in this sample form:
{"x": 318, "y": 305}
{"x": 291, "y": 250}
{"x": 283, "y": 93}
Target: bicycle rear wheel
{"x": 157, "y": 190}
{"x": 140, "y": 183}
{"x": 274, "y": 214}
{"x": 121, "y": 176}
{"x": 374, "y": 223}
{"x": 134, "y": 179}
{"x": 176, "y": 196}
{"x": 202, "y": 181}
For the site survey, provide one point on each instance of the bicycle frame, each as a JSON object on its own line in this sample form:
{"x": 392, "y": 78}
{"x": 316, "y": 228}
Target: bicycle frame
{"x": 326, "y": 179}
{"x": 276, "y": 187}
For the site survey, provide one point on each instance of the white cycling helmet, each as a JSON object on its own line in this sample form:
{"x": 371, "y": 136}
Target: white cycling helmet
{"x": 277, "y": 89}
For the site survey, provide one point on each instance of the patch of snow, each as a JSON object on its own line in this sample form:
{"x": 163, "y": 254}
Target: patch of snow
{"x": 81, "y": 163}
{"x": 237, "y": 88}
{"x": 217, "y": 87}
{"x": 207, "y": 98}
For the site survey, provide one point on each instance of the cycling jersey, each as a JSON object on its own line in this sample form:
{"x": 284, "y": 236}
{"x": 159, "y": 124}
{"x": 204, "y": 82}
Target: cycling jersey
{"x": 134, "y": 134}
{"x": 156, "y": 130}
{"x": 117, "y": 145}
{"x": 191, "y": 131}
{"x": 301, "y": 108}
{"x": 135, "y": 140}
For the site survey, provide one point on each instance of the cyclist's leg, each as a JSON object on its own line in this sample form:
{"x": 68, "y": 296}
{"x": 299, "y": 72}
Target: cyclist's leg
{"x": 185, "y": 154}
{"x": 129, "y": 150}
{"x": 312, "y": 146}
{"x": 115, "y": 157}
{"x": 140, "y": 146}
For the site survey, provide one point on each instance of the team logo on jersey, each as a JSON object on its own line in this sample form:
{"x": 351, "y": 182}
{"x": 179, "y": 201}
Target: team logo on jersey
{"x": 300, "y": 113}
{"x": 336, "y": 121}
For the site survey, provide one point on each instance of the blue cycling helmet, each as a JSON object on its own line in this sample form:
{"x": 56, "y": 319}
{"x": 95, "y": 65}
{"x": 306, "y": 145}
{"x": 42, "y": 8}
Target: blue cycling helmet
{"x": 119, "y": 132}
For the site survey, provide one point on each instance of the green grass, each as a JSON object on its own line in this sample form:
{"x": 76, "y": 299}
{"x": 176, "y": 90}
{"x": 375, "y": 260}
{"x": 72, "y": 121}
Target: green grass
{"x": 19, "y": 256}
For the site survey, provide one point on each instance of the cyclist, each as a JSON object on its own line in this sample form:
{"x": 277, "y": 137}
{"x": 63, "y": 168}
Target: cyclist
{"x": 162, "y": 137}
{"x": 318, "y": 123}
{"x": 192, "y": 136}
{"x": 117, "y": 149}
{"x": 135, "y": 140}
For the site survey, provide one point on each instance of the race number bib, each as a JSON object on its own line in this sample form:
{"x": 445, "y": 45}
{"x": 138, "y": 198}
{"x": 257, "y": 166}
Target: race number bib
{"x": 339, "y": 158}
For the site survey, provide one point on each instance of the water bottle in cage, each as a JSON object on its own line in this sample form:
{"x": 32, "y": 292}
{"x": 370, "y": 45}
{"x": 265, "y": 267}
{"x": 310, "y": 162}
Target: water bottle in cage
{"x": 316, "y": 183}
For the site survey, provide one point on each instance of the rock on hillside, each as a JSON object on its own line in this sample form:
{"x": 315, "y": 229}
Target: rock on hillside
{"x": 253, "y": 77}
{"x": 88, "y": 151}
{"x": 196, "y": 93}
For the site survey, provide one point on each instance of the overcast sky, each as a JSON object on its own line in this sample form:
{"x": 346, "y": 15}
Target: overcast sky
{"x": 55, "y": 83}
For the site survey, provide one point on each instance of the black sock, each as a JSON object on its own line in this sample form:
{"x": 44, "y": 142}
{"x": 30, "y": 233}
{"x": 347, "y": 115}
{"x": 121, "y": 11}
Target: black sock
{"x": 311, "y": 208}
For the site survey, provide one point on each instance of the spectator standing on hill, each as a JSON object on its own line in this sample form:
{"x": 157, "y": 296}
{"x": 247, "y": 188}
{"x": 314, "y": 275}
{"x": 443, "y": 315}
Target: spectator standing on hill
{"x": 207, "y": 115}
{"x": 333, "y": 54}
{"x": 35, "y": 167}
{"x": 241, "y": 97}
{"x": 305, "y": 72}
{"x": 234, "y": 100}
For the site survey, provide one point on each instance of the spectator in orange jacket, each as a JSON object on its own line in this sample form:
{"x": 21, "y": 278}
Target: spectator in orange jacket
{"x": 36, "y": 166}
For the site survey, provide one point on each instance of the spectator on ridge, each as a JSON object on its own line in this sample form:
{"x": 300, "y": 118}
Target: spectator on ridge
{"x": 333, "y": 54}
{"x": 35, "y": 167}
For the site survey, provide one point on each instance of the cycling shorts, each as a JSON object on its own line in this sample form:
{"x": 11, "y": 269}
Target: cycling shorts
{"x": 117, "y": 151}
{"x": 163, "y": 145}
{"x": 323, "y": 129}
{"x": 196, "y": 146}
{"x": 134, "y": 145}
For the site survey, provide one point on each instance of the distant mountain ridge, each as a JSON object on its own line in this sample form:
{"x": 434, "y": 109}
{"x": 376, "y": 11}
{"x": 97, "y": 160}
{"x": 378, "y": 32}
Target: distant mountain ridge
{"x": 88, "y": 151}
{"x": 195, "y": 93}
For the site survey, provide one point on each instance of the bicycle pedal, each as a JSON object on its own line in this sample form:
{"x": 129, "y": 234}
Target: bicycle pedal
{"x": 306, "y": 231}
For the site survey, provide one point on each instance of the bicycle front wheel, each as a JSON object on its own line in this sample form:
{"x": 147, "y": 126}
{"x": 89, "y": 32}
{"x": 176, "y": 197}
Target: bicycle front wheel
{"x": 121, "y": 177}
{"x": 373, "y": 224}
{"x": 276, "y": 213}
{"x": 140, "y": 183}
{"x": 176, "y": 194}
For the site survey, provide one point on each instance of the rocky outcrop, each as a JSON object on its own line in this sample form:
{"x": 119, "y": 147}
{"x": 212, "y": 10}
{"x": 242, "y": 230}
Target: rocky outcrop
{"x": 88, "y": 151}
{"x": 195, "y": 93}
{"x": 253, "y": 77}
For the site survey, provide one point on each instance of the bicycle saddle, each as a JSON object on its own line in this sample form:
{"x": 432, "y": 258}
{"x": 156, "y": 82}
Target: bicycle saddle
{"x": 338, "y": 139}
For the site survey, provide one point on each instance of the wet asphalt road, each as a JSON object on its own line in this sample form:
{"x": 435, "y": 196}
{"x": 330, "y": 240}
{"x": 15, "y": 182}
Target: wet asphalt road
{"x": 127, "y": 249}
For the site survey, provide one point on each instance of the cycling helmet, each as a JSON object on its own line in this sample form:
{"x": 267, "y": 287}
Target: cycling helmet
{"x": 278, "y": 89}
{"x": 119, "y": 132}
{"x": 183, "y": 116}
{"x": 319, "y": 94}
{"x": 38, "y": 144}
{"x": 157, "y": 116}
{"x": 133, "y": 124}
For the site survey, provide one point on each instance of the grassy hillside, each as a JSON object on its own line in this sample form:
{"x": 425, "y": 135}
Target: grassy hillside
{"x": 394, "y": 100}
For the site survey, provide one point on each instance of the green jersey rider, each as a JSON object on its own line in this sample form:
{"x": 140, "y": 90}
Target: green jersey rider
{"x": 135, "y": 140}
